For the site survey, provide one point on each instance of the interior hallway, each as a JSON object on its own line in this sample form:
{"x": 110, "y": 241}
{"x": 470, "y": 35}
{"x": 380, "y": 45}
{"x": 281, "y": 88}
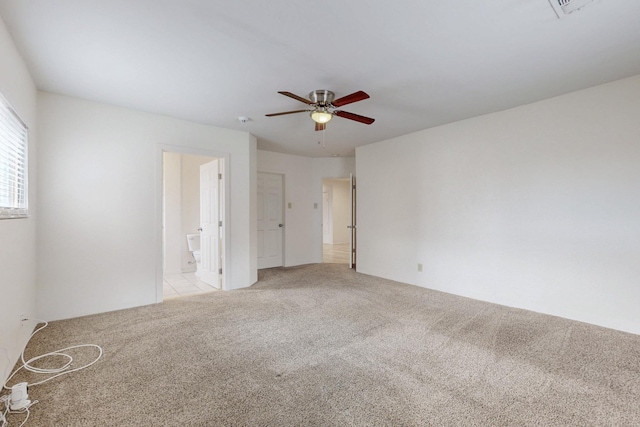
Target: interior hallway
{"x": 337, "y": 253}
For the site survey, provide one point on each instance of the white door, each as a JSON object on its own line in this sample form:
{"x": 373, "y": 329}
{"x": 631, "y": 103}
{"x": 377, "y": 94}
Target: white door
{"x": 270, "y": 191}
{"x": 210, "y": 180}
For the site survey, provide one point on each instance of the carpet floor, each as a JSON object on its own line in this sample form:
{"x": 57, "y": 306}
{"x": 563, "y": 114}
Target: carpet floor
{"x": 321, "y": 345}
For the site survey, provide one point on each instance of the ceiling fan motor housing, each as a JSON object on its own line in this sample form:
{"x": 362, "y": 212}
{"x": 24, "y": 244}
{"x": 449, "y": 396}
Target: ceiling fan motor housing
{"x": 322, "y": 97}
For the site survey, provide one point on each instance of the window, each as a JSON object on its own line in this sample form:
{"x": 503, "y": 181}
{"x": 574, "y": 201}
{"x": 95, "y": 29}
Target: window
{"x": 13, "y": 163}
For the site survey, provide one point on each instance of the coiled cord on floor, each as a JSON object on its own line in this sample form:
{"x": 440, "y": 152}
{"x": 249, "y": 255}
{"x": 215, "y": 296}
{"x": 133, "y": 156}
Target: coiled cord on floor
{"x": 55, "y": 372}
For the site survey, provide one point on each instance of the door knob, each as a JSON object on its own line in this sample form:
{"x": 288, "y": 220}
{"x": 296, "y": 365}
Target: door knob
{"x": 199, "y": 229}
{"x": 280, "y": 225}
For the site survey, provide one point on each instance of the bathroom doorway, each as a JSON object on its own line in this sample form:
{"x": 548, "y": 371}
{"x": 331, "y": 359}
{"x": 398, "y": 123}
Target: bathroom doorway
{"x": 183, "y": 196}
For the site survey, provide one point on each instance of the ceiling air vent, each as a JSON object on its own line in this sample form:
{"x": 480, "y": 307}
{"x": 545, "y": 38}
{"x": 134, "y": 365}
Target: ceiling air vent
{"x": 565, "y": 7}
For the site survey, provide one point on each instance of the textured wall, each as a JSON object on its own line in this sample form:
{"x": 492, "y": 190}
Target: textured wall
{"x": 534, "y": 207}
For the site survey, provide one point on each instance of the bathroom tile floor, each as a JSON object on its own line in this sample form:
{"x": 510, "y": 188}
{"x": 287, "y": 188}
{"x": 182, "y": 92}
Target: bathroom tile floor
{"x": 178, "y": 285}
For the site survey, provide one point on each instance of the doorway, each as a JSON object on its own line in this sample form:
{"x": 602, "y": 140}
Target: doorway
{"x": 336, "y": 220}
{"x": 186, "y": 202}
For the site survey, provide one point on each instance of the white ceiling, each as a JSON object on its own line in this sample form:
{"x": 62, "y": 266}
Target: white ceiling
{"x": 423, "y": 62}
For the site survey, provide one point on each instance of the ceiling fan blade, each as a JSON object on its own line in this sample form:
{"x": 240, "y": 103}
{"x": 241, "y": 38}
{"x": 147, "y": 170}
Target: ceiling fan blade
{"x": 296, "y": 97}
{"x": 321, "y": 126}
{"x": 354, "y": 97}
{"x": 286, "y": 112}
{"x": 356, "y": 117}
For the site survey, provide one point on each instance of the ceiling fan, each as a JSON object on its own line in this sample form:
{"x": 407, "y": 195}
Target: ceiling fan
{"x": 323, "y": 106}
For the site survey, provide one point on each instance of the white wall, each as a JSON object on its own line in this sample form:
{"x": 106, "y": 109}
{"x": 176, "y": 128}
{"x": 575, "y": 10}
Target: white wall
{"x": 534, "y": 207}
{"x": 99, "y": 239}
{"x": 340, "y": 211}
{"x": 303, "y": 189}
{"x": 327, "y": 213}
{"x": 17, "y": 236}
{"x": 172, "y": 205}
{"x": 297, "y": 191}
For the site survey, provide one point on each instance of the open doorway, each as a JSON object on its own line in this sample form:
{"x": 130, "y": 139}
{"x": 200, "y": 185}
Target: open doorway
{"x": 192, "y": 224}
{"x": 336, "y": 219}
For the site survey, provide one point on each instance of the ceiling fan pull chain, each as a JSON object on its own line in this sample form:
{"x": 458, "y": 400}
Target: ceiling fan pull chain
{"x": 324, "y": 142}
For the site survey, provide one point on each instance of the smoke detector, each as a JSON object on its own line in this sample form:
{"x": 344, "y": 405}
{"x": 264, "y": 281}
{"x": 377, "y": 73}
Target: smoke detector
{"x": 565, "y": 7}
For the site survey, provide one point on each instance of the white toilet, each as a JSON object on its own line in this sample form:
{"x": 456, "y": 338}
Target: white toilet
{"x": 193, "y": 241}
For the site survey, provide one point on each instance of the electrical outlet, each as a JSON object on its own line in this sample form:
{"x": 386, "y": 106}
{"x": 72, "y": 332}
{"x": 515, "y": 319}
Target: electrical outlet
{"x": 420, "y": 267}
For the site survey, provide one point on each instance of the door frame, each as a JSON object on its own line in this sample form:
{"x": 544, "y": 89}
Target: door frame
{"x": 226, "y": 213}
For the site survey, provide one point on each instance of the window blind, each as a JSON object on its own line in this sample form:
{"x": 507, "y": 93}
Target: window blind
{"x": 13, "y": 163}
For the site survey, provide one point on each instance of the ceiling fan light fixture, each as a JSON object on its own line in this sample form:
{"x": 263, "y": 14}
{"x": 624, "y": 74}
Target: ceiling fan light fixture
{"x": 321, "y": 116}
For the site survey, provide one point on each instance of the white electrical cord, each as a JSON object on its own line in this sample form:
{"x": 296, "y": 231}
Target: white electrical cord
{"x": 63, "y": 370}
{"x": 54, "y": 372}
{"x": 3, "y": 416}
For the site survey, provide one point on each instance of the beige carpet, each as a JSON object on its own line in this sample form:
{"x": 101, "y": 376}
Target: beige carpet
{"x": 321, "y": 345}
